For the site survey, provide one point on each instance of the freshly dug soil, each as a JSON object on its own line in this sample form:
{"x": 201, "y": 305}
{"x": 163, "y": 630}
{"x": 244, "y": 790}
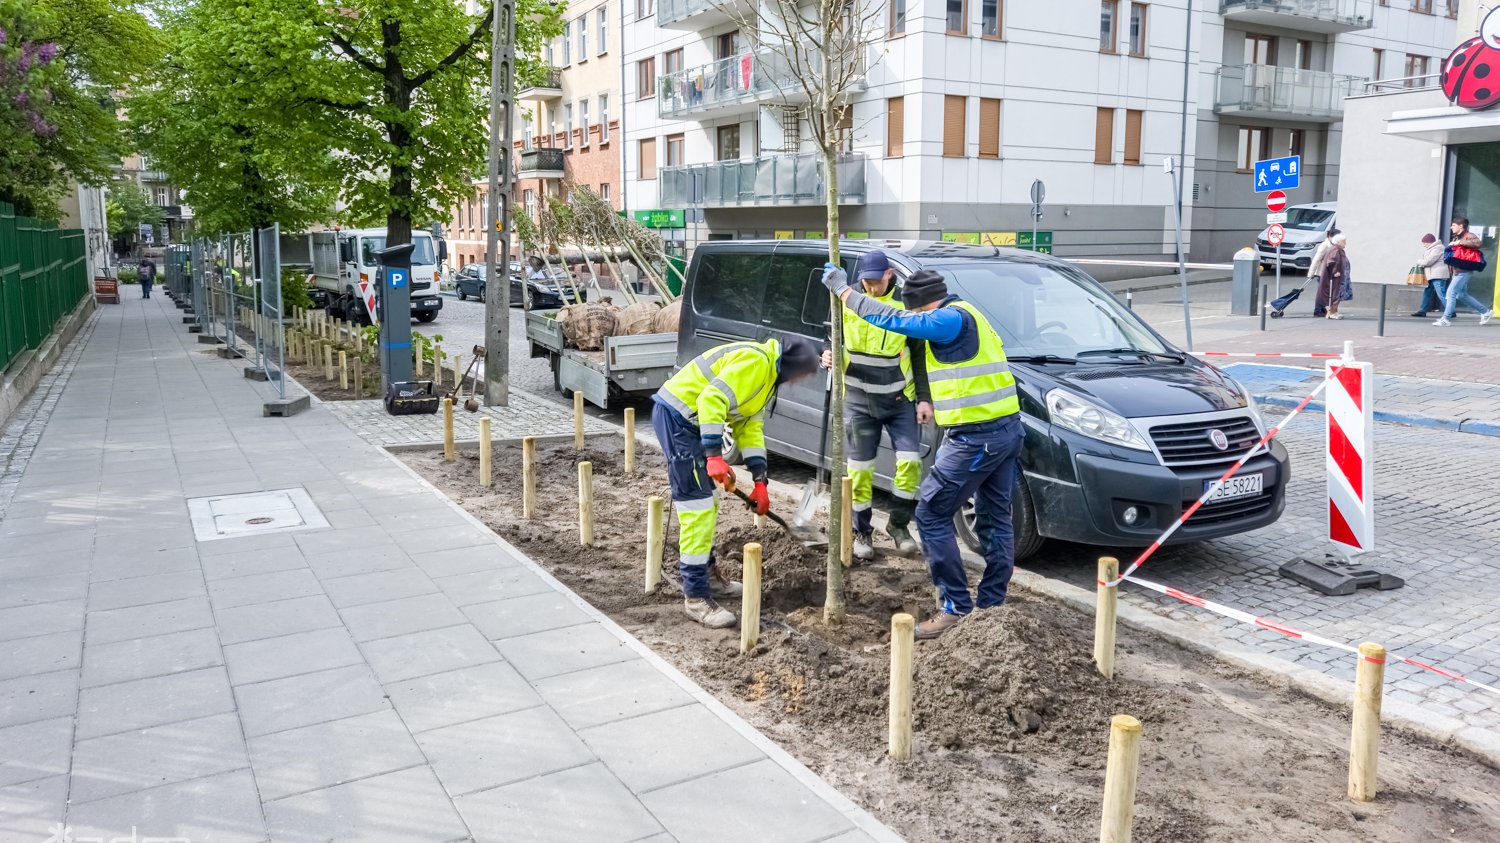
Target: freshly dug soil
{"x": 1011, "y": 718}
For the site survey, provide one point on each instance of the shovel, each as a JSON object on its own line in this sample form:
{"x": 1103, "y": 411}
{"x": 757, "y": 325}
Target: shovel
{"x": 809, "y": 536}
{"x": 807, "y": 508}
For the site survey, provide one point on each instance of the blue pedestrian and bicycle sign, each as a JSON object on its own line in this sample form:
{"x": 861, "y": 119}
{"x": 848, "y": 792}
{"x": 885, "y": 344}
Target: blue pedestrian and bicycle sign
{"x": 1278, "y": 173}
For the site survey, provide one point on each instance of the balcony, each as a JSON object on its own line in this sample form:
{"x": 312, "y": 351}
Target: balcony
{"x": 1321, "y": 16}
{"x": 541, "y": 163}
{"x": 549, "y": 88}
{"x": 734, "y": 85}
{"x": 154, "y": 175}
{"x": 1284, "y": 93}
{"x": 694, "y": 15}
{"x": 772, "y": 181}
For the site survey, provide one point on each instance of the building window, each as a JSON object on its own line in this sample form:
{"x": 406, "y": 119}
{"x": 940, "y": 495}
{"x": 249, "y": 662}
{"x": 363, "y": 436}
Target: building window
{"x": 604, "y": 191}
{"x": 1423, "y": 6}
{"x": 567, "y": 125}
{"x": 551, "y": 54}
{"x": 1254, "y": 146}
{"x": 530, "y": 202}
{"x": 954, "y": 111}
{"x": 161, "y": 197}
{"x": 1104, "y": 136}
{"x": 583, "y": 38}
{"x": 567, "y": 43}
{"x": 989, "y": 128}
{"x": 1133, "y": 120}
{"x": 1303, "y": 58}
{"x": 603, "y": 30}
{"x": 1260, "y": 49}
{"x": 895, "y": 127}
{"x": 729, "y": 143}
{"x": 647, "y": 161}
{"x": 671, "y": 62}
{"x": 1294, "y": 142}
{"x": 845, "y": 137}
{"x": 1379, "y": 63}
{"x": 552, "y": 125}
{"x": 645, "y": 78}
{"x": 1109, "y": 14}
{"x": 1138, "y": 29}
{"x": 958, "y": 12}
{"x": 1452, "y": 8}
{"x": 604, "y": 118}
{"x": 1416, "y": 67}
{"x": 645, "y": 8}
{"x": 991, "y": 12}
{"x": 674, "y": 150}
{"x": 583, "y": 119}
{"x": 898, "y": 16}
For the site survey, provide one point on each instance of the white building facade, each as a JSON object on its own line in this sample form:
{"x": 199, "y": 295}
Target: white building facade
{"x": 967, "y": 102}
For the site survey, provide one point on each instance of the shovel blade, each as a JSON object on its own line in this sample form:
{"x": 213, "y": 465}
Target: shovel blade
{"x": 807, "y": 508}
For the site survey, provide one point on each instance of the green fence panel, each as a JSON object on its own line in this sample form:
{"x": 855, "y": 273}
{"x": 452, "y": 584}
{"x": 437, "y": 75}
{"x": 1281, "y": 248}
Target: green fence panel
{"x": 12, "y": 325}
{"x": 43, "y": 276}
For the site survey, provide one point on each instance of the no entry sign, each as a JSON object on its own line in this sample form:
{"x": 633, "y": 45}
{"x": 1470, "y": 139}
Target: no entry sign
{"x": 1275, "y": 234}
{"x": 1276, "y": 201}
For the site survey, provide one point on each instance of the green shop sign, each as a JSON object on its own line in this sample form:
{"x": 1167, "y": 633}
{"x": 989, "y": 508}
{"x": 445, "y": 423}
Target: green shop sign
{"x": 660, "y": 218}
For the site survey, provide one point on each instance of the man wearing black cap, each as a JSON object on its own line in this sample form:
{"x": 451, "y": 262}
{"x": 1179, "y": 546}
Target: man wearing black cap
{"x": 881, "y": 392}
{"x": 974, "y": 401}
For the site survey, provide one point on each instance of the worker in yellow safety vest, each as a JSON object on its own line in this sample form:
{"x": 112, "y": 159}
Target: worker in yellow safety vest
{"x": 881, "y": 395}
{"x": 975, "y": 403}
{"x": 726, "y": 388}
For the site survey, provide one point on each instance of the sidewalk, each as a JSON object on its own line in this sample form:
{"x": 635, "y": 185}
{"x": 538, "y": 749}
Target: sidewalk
{"x": 399, "y": 674}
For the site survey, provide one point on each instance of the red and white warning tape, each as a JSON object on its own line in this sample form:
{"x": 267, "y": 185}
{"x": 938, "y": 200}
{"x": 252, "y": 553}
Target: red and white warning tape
{"x": 1259, "y": 448}
{"x": 1317, "y": 355}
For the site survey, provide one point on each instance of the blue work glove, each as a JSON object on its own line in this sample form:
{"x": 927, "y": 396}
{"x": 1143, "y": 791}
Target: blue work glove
{"x": 835, "y": 279}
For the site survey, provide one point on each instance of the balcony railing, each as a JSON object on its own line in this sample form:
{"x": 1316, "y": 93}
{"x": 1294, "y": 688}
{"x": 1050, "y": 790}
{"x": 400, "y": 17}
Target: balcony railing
{"x": 541, "y": 163}
{"x": 1324, "y": 16}
{"x": 774, "y": 180}
{"x": 700, "y": 14}
{"x": 550, "y": 85}
{"x": 726, "y": 84}
{"x": 1287, "y": 92}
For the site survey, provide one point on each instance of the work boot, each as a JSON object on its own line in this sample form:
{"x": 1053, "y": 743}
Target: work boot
{"x": 936, "y": 625}
{"x": 705, "y": 611}
{"x": 723, "y": 586}
{"x": 906, "y": 544}
{"x": 864, "y": 546}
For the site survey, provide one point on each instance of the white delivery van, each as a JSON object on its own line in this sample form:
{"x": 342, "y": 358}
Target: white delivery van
{"x": 1306, "y": 226}
{"x": 341, "y": 259}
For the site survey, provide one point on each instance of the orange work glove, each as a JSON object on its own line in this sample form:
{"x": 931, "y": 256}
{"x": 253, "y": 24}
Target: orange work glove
{"x": 721, "y": 473}
{"x": 762, "y": 497}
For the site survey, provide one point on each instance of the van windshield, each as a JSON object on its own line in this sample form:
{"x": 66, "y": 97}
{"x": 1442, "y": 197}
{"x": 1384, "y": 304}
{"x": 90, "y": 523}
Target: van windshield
{"x": 420, "y": 256}
{"x": 1308, "y": 219}
{"x": 1040, "y": 310}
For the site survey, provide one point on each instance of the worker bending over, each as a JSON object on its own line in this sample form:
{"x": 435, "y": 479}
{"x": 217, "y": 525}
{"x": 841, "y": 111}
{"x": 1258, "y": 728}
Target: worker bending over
{"x": 881, "y": 392}
{"x": 974, "y": 399}
{"x": 730, "y": 385}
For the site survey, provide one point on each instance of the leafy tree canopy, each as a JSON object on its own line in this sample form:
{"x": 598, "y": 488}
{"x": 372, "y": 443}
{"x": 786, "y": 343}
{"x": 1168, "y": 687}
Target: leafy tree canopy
{"x": 127, "y": 207}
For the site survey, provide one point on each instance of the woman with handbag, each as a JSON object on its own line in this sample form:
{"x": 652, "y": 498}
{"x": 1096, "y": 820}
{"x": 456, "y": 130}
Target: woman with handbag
{"x": 1432, "y": 272}
{"x": 1334, "y": 285}
{"x": 1464, "y": 256}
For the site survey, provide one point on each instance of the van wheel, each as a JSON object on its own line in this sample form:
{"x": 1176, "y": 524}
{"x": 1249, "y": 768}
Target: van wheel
{"x": 1023, "y": 521}
{"x": 427, "y": 316}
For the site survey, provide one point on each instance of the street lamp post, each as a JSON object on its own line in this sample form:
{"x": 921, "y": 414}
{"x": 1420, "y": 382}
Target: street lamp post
{"x": 497, "y": 301}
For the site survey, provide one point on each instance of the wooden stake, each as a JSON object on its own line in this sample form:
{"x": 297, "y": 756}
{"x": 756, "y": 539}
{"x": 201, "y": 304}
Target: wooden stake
{"x": 846, "y": 537}
{"x": 437, "y": 364}
{"x": 328, "y": 361}
{"x": 629, "y": 440}
{"x": 528, "y": 478}
{"x": 750, "y": 599}
{"x": 359, "y": 376}
{"x": 586, "y": 503}
{"x": 485, "y": 475}
{"x": 760, "y": 522}
{"x": 417, "y": 359}
{"x": 458, "y": 371}
{"x": 343, "y": 370}
{"x": 448, "y": 454}
{"x": 902, "y": 640}
{"x": 1364, "y": 741}
{"x": 656, "y": 522}
{"x": 578, "y": 420}
{"x": 1119, "y": 779}
{"x": 1105, "y": 601}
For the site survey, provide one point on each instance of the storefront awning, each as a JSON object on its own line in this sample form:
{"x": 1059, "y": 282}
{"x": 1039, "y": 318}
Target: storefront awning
{"x": 1448, "y": 125}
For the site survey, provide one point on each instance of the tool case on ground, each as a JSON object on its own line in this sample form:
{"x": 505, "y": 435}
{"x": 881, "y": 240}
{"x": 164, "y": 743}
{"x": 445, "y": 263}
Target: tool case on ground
{"x": 411, "y": 398}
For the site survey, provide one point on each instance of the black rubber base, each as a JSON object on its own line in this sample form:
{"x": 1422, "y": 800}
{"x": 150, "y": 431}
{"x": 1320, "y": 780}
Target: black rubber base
{"x": 1337, "y": 578}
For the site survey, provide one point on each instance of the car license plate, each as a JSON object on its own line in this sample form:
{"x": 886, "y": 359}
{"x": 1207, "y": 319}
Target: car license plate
{"x": 430, "y": 302}
{"x": 1236, "y": 487}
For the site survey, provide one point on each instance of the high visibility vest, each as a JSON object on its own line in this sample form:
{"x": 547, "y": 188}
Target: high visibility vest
{"x": 728, "y": 385}
{"x": 876, "y": 358}
{"x": 976, "y": 390}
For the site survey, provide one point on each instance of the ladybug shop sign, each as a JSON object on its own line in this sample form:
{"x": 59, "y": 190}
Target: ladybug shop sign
{"x": 1471, "y": 73}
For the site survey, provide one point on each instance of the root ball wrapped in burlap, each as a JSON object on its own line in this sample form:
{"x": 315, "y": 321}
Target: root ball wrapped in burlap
{"x": 637, "y": 318}
{"x": 585, "y": 326}
{"x": 664, "y": 321}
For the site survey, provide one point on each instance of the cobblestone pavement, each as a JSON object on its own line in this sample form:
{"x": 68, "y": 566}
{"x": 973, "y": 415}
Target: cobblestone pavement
{"x": 1437, "y": 525}
{"x": 461, "y": 325}
{"x": 527, "y": 415}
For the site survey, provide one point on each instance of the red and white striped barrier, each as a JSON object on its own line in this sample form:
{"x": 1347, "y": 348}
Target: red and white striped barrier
{"x": 1314, "y": 355}
{"x": 367, "y": 291}
{"x": 1351, "y": 458}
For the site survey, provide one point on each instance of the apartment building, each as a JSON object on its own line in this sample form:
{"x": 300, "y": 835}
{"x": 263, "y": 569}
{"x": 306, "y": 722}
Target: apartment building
{"x": 160, "y": 191}
{"x": 967, "y": 102}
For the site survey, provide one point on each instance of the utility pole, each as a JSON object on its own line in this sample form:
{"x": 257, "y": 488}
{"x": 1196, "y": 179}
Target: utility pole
{"x": 497, "y": 301}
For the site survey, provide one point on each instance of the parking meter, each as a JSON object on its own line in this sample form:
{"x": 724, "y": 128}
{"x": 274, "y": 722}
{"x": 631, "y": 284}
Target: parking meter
{"x": 394, "y": 304}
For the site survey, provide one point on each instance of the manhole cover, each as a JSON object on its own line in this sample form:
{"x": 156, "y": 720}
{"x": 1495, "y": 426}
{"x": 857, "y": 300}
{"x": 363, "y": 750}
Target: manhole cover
{"x": 254, "y": 513}
{"x": 259, "y": 520}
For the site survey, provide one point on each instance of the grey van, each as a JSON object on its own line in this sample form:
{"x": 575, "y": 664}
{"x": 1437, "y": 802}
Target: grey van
{"x": 1123, "y": 430}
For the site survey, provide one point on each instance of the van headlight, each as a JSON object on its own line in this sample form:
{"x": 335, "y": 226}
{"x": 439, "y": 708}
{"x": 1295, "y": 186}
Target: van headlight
{"x": 1089, "y": 419}
{"x": 1254, "y": 410}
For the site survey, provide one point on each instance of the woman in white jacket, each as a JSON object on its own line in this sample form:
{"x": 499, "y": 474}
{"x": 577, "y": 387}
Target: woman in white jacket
{"x": 1437, "y": 274}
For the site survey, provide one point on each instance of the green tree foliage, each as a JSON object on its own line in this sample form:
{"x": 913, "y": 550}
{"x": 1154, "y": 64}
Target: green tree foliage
{"x": 127, "y": 207}
{"x": 61, "y": 62}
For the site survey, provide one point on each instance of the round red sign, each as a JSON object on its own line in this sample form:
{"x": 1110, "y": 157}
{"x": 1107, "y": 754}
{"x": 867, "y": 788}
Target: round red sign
{"x": 1275, "y": 234}
{"x": 1276, "y": 201}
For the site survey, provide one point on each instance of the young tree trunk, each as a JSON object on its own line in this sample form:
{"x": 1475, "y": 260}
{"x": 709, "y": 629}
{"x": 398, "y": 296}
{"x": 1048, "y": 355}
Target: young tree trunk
{"x": 833, "y": 604}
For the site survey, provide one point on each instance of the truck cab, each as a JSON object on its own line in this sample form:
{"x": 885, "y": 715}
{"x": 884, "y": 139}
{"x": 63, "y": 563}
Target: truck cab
{"x": 344, "y": 259}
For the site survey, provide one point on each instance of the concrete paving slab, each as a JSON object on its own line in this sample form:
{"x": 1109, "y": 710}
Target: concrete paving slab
{"x": 503, "y": 749}
{"x": 605, "y": 694}
{"x": 40, "y": 654}
{"x": 32, "y": 810}
{"x": 461, "y": 696}
{"x": 313, "y": 757}
{"x": 526, "y": 615}
{"x": 136, "y": 760}
{"x": 141, "y": 591}
{"x": 250, "y": 562}
{"x": 41, "y": 619}
{"x": 42, "y": 696}
{"x": 272, "y": 620}
{"x": 36, "y": 750}
{"x": 289, "y": 655}
{"x": 557, "y": 651}
{"x": 408, "y": 806}
{"x": 249, "y": 590}
{"x": 223, "y": 808}
{"x": 488, "y": 585}
{"x": 110, "y": 565}
{"x": 378, "y": 587}
{"x": 400, "y": 617}
{"x": 26, "y": 591}
{"x": 463, "y": 560}
{"x": 697, "y": 743}
{"x": 143, "y": 703}
{"x": 158, "y": 655}
{"x": 584, "y": 803}
{"x": 44, "y": 565}
{"x": 757, "y": 803}
{"x": 152, "y": 619}
{"x": 348, "y": 563}
{"x": 425, "y": 653}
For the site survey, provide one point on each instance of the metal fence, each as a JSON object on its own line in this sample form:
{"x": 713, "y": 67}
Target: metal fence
{"x": 233, "y": 287}
{"x": 43, "y": 276}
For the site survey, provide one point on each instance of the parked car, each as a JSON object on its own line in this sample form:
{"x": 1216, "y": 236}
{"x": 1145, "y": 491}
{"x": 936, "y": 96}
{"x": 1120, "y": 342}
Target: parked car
{"x": 550, "y": 294}
{"x": 1306, "y": 226}
{"x": 1124, "y": 431}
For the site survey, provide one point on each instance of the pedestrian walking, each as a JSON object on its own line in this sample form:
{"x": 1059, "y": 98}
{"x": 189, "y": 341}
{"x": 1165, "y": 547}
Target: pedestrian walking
{"x": 146, "y": 274}
{"x": 1437, "y": 274}
{"x": 726, "y": 387}
{"x": 975, "y": 403}
{"x": 1334, "y": 286}
{"x": 1464, "y": 256}
{"x": 1315, "y": 269}
{"x": 882, "y": 396}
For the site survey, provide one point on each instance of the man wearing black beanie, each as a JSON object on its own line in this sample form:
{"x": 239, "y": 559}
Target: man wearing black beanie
{"x": 974, "y": 401}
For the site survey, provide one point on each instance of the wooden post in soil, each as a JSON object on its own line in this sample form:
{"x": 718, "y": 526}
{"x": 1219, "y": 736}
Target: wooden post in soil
{"x": 578, "y": 420}
{"x": 437, "y": 365}
{"x": 750, "y": 598}
{"x": 359, "y": 376}
{"x": 416, "y": 360}
{"x": 1105, "y": 602}
{"x": 586, "y": 503}
{"x": 656, "y": 540}
{"x": 629, "y": 440}
{"x": 343, "y": 370}
{"x": 528, "y": 478}
{"x": 1119, "y": 779}
{"x": 486, "y": 477}
{"x": 846, "y": 527}
{"x": 902, "y": 639}
{"x": 1364, "y": 740}
{"x": 328, "y": 361}
{"x": 448, "y": 455}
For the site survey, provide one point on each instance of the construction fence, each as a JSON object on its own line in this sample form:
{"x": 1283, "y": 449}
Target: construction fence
{"x": 43, "y": 276}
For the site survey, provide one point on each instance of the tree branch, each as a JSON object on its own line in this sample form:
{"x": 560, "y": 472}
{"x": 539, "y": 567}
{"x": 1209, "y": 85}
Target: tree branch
{"x": 349, "y": 49}
{"x": 459, "y": 52}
